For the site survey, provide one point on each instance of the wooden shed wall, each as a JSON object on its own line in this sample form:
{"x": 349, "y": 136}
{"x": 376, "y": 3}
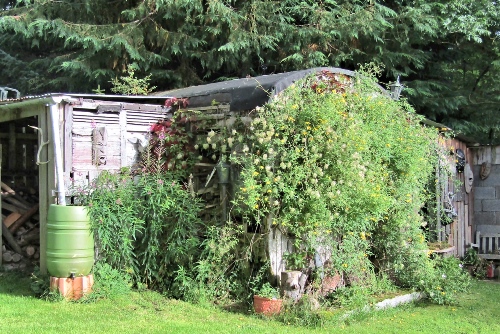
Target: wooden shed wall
{"x": 123, "y": 123}
{"x": 459, "y": 233}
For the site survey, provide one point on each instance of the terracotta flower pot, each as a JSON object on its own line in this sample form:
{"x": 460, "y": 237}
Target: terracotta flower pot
{"x": 267, "y": 306}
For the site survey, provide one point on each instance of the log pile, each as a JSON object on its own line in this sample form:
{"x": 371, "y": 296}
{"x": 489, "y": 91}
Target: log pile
{"x": 20, "y": 227}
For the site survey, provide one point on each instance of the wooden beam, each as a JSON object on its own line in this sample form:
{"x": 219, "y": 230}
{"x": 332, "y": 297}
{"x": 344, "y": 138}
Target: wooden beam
{"x": 12, "y": 115}
{"x": 23, "y": 136}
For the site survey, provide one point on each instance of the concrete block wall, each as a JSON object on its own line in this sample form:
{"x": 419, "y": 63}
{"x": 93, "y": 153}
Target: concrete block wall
{"x": 487, "y": 191}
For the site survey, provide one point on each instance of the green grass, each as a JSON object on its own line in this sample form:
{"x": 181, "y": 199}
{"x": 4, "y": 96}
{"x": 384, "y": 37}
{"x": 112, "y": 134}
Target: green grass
{"x": 149, "y": 312}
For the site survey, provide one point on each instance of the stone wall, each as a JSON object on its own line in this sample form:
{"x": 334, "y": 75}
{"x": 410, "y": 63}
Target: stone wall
{"x": 487, "y": 191}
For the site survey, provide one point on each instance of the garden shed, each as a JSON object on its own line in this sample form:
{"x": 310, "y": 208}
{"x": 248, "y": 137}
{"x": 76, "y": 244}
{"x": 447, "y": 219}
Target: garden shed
{"x": 455, "y": 213}
{"x": 65, "y": 139}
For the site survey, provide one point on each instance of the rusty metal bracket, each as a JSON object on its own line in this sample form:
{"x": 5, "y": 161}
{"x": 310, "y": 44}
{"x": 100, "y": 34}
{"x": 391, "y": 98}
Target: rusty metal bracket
{"x": 42, "y": 144}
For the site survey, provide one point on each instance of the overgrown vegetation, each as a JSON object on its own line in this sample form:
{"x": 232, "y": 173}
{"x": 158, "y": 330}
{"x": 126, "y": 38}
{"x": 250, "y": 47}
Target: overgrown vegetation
{"x": 332, "y": 163}
{"x": 342, "y": 170}
{"x": 145, "y": 226}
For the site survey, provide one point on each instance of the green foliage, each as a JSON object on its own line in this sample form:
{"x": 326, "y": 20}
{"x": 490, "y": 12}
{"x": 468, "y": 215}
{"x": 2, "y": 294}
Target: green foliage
{"x": 268, "y": 291}
{"x": 476, "y": 265}
{"x": 304, "y": 314}
{"x": 109, "y": 283}
{"x": 216, "y": 276}
{"x": 116, "y": 219}
{"x": 296, "y": 260}
{"x": 171, "y": 236}
{"x": 98, "y": 90}
{"x": 40, "y": 286}
{"x": 145, "y": 226}
{"x": 130, "y": 85}
{"x": 444, "y": 280}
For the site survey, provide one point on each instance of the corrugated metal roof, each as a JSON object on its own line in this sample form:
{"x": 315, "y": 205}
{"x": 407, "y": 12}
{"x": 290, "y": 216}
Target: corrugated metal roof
{"x": 246, "y": 93}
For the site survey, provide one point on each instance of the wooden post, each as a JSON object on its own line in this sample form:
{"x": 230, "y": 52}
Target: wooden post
{"x": 438, "y": 203}
{"x": 223, "y": 198}
{"x": 46, "y": 182}
{"x": 12, "y": 147}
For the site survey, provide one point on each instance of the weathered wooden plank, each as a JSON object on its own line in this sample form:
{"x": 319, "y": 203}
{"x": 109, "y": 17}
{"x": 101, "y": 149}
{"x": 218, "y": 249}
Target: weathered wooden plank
{"x": 144, "y": 107}
{"x": 495, "y": 155}
{"x": 470, "y": 235}
{"x": 131, "y": 127}
{"x": 490, "y": 256}
{"x": 78, "y": 131}
{"x": 86, "y": 146}
{"x": 134, "y": 115}
{"x": 92, "y": 117}
{"x": 461, "y": 239}
{"x": 482, "y": 154}
{"x": 467, "y": 229}
{"x": 19, "y": 113}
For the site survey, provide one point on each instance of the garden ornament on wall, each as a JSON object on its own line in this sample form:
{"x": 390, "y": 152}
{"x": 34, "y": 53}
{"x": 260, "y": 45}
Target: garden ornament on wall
{"x": 468, "y": 178}
{"x": 460, "y": 160}
{"x": 485, "y": 170}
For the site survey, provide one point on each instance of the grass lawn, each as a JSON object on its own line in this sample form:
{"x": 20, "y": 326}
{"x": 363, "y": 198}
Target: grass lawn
{"x": 149, "y": 312}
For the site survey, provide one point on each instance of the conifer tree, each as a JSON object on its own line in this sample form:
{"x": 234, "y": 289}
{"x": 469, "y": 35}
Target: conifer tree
{"x": 445, "y": 51}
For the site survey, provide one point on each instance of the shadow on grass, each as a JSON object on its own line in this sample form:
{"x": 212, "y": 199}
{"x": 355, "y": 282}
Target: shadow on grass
{"x": 237, "y": 308}
{"x": 16, "y": 283}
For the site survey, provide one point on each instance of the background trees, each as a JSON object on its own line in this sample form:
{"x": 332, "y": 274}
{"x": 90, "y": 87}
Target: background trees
{"x": 445, "y": 51}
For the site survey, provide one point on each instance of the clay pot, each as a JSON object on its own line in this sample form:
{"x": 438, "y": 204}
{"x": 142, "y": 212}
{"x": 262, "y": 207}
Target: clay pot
{"x": 267, "y": 306}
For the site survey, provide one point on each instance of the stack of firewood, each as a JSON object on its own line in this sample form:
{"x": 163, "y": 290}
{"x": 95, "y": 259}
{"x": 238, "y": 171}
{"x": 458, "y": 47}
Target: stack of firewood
{"x": 20, "y": 228}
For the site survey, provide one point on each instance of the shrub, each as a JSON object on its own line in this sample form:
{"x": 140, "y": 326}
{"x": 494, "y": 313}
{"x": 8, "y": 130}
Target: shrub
{"x": 108, "y": 283}
{"x": 145, "y": 226}
{"x": 444, "y": 280}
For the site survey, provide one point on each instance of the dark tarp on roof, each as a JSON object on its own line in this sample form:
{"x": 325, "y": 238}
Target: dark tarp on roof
{"x": 244, "y": 94}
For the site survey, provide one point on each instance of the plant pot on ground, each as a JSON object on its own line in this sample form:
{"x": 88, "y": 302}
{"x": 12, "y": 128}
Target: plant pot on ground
{"x": 266, "y": 300}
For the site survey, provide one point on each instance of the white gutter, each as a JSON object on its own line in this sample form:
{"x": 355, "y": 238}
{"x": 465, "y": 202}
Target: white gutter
{"x": 32, "y": 101}
{"x": 58, "y": 156}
